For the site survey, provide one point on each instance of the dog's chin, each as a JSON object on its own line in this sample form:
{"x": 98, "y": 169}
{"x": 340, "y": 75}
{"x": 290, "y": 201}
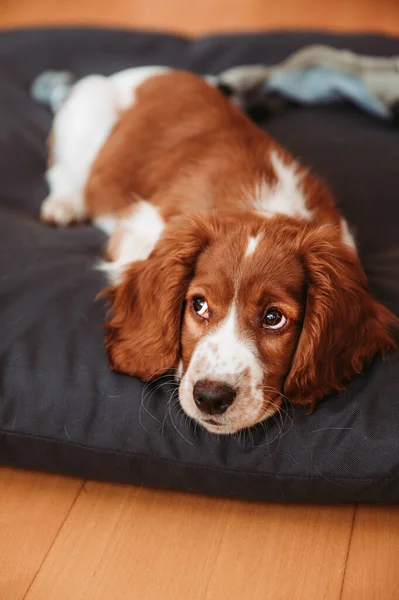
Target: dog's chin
{"x": 220, "y": 428}
{"x": 228, "y": 426}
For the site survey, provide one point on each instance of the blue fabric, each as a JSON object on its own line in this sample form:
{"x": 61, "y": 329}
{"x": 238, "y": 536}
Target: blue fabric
{"x": 321, "y": 85}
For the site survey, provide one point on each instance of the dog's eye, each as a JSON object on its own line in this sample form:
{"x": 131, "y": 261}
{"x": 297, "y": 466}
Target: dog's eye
{"x": 200, "y": 306}
{"x": 274, "y": 319}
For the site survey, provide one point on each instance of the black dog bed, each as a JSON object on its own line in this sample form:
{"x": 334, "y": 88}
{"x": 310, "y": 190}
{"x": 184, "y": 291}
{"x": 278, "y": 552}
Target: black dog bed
{"x": 61, "y": 408}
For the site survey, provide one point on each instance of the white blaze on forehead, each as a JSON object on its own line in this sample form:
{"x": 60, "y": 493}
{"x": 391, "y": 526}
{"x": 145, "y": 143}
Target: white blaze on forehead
{"x": 286, "y": 195}
{"x": 347, "y": 237}
{"x": 253, "y": 242}
{"x": 179, "y": 371}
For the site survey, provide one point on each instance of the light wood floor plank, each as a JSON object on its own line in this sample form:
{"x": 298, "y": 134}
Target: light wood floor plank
{"x": 122, "y": 543}
{"x": 207, "y": 16}
{"x": 33, "y": 508}
{"x": 372, "y": 571}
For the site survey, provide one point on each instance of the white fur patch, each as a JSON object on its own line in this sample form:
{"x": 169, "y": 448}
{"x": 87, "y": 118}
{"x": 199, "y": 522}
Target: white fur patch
{"x": 252, "y": 244}
{"x": 139, "y": 232}
{"x": 286, "y": 195}
{"x": 228, "y": 349}
{"x": 83, "y": 124}
{"x": 223, "y": 356}
{"x": 179, "y": 371}
{"x": 63, "y": 210}
{"x": 347, "y": 237}
{"x": 65, "y": 204}
{"x": 80, "y": 128}
{"x": 106, "y": 223}
{"x": 127, "y": 81}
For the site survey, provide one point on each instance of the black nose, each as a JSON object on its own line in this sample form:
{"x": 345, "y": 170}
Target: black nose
{"x": 213, "y": 397}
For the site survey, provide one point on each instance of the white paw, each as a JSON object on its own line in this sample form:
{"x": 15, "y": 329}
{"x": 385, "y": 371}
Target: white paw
{"x": 62, "y": 210}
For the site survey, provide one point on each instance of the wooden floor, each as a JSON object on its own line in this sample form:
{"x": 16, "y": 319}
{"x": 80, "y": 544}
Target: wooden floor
{"x": 204, "y": 16}
{"x": 67, "y": 539}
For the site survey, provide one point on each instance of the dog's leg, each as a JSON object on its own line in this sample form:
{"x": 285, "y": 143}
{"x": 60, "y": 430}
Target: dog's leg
{"x": 64, "y": 205}
{"x": 80, "y": 128}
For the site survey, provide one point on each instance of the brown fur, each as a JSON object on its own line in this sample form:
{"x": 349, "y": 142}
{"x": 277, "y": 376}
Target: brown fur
{"x": 344, "y": 326}
{"x": 186, "y": 149}
{"x": 295, "y": 266}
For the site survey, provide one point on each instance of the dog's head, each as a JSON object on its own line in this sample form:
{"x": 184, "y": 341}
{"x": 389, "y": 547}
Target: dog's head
{"x": 249, "y": 310}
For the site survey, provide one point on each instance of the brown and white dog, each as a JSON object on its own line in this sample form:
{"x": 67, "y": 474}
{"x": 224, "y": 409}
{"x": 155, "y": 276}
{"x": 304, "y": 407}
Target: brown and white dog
{"x": 228, "y": 261}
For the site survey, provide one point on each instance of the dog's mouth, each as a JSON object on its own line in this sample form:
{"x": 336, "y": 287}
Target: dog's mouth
{"x": 213, "y": 422}
{"x": 217, "y": 427}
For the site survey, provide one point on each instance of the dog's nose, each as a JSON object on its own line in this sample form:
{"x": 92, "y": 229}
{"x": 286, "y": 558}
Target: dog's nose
{"x": 213, "y": 397}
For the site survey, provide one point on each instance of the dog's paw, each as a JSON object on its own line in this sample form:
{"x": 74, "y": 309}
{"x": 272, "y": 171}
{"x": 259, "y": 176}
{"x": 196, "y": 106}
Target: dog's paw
{"x": 62, "y": 210}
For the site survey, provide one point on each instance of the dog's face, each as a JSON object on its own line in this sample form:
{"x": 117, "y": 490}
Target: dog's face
{"x": 249, "y": 310}
{"x": 242, "y": 321}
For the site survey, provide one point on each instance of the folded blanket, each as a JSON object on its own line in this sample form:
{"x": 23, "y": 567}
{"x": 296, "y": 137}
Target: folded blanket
{"x": 319, "y": 75}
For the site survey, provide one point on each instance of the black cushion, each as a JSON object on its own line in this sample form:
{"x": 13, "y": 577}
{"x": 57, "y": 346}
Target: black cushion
{"x": 63, "y": 410}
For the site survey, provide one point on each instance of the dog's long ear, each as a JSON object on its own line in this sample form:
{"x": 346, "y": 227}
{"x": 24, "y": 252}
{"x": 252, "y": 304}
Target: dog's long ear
{"x": 344, "y": 326}
{"x": 143, "y": 335}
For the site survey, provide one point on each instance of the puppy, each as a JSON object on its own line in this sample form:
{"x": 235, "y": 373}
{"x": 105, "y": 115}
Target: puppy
{"x": 228, "y": 261}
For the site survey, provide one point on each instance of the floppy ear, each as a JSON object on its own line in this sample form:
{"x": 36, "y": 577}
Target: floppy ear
{"x": 143, "y": 335}
{"x": 344, "y": 326}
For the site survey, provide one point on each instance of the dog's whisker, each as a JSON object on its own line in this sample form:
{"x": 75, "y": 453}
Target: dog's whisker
{"x": 171, "y": 399}
{"x": 176, "y": 428}
{"x": 148, "y": 394}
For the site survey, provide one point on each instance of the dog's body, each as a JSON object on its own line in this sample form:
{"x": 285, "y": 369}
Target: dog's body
{"x": 229, "y": 261}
